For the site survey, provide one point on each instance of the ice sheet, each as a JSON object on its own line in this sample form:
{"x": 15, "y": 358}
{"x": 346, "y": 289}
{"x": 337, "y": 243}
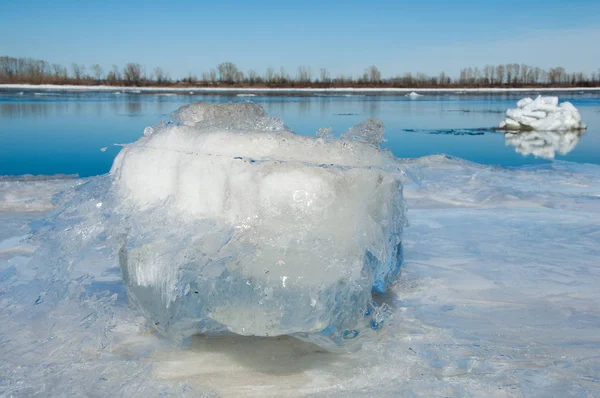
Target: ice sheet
{"x": 499, "y": 298}
{"x": 31, "y": 193}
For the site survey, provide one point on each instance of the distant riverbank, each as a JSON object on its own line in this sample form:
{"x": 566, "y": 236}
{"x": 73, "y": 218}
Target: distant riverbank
{"x": 268, "y": 90}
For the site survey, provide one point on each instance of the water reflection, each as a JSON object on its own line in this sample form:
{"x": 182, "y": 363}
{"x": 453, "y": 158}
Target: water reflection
{"x": 543, "y": 144}
{"x": 372, "y": 107}
{"x": 34, "y": 109}
{"x": 134, "y": 108}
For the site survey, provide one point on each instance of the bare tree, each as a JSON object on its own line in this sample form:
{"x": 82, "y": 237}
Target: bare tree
{"x": 553, "y": 76}
{"x": 477, "y": 76}
{"x": 563, "y": 76}
{"x": 98, "y": 72}
{"x": 364, "y": 78}
{"x": 509, "y": 73}
{"x": 238, "y": 76}
{"x": 78, "y": 71}
{"x": 373, "y": 74}
{"x": 7, "y": 68}
{"x": 161, "y": 76}
{"x": 488, "y": 71}
{"x": 557, "y": 75}
{"x": 470, "y": 78}
{"x": 114, "y": 75}
{"x": 304, "y": 74}
{"x": 343, "y": 80}
{"x": 60, "y": 72}
{"x": 324, "y": 76}
{"x": 283, "y": 76}
{"x": 516, "y": 70}
{"x": 442, "y": 79}
{"x": 191, "y": 79}
{"x": 269, "y": 74}
{"x": 537, "y": 75}
{"x": 524, "y": 73}
{"x": 132, "y": 73}
{"x": 212, "y": 75}
{"x": 227, "y": 72}
{"x": 500, "y": 74}
{"x": 35, "y": 71}
{"x": 204, "y": 77}
{"x": 530, "y": 79}
{"x": 252, "y": 76}
{"x": 422, "y": 79}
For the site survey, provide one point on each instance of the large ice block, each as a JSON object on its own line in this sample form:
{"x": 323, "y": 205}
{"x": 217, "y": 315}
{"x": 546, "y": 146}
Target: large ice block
{"x": 230, "y": 222}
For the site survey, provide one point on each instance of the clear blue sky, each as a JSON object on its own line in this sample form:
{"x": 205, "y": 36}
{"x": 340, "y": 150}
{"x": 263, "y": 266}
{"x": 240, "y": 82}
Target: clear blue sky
{"x": 344, "y": 36}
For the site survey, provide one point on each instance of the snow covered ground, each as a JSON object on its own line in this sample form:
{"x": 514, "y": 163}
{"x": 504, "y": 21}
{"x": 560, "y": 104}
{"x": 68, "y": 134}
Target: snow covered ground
{"x": 498, "y": 298}
{"x": 345, "y": 90}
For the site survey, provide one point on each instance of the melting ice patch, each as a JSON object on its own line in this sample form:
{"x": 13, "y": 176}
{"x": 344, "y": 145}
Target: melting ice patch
{"x": 543, "y": 113}
{"x": 229, "y": 221}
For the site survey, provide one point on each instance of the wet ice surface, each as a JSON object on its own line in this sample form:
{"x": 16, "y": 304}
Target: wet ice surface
{"x": 498, "y": 297}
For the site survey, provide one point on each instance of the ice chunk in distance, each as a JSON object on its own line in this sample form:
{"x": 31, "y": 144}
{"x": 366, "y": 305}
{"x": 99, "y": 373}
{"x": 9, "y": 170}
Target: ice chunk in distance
{"x": 543, "y": 114}
{"x": 413, "y": 95}
{"x": 232, "y": 223}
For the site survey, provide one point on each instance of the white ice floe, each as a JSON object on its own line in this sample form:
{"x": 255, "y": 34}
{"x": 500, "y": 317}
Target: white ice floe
{"x": 543, "y": 144}
{"x": 413, "y": 95}
{"x": 235, "y": 223}
{"x": 543, "y": 113}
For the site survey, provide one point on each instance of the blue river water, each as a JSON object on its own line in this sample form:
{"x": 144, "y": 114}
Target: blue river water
{"x": 48, "y": 133}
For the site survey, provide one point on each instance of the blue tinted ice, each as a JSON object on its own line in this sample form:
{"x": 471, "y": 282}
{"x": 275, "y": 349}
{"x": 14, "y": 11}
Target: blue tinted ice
{"x": 230, "y": 222}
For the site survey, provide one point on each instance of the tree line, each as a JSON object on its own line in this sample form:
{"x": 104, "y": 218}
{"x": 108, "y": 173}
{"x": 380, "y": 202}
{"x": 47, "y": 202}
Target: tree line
{"x": 34, "y": 71}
